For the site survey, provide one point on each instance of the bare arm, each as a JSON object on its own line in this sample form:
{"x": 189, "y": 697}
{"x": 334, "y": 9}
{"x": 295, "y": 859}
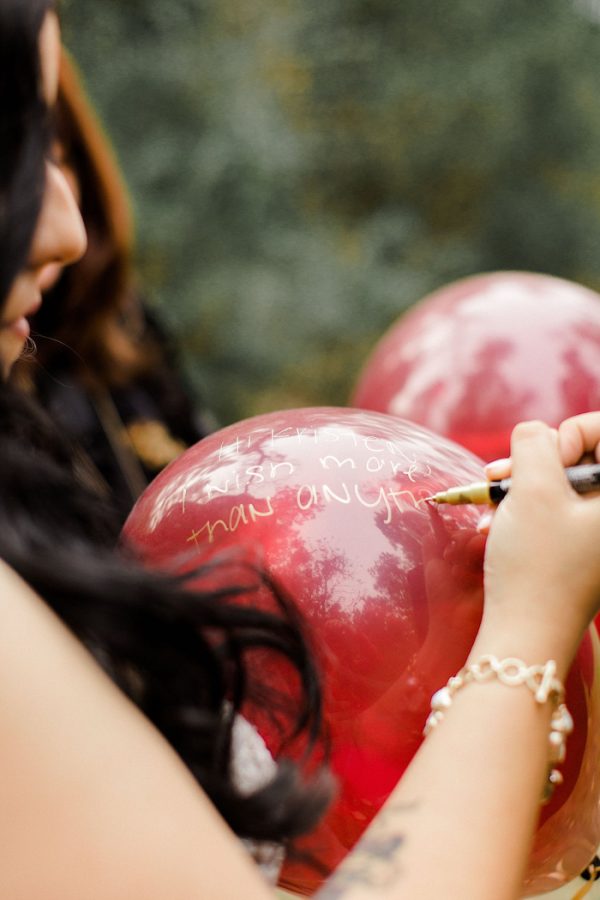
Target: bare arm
{"x": 460, "y": 823}
{"x": 95, "y": 804}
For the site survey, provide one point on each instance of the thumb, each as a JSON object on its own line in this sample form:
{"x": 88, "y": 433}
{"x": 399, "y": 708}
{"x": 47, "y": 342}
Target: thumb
{"x": 536, "y": 464}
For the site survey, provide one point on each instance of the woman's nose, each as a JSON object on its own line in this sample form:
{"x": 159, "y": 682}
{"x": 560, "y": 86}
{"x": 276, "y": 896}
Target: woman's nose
{"x": 60, "y": 233}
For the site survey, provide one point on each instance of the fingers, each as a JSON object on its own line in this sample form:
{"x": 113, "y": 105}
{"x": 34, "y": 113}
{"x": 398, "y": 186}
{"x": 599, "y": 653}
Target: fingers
{"x": 497, "y": 469}
{"x": 578, "y": 436}
{"x": 485, "y": 522}
{"x": 536, "y": 463}
{"x": 578, "y": 441}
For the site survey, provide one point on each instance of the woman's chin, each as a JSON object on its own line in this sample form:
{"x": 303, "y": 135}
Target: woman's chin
{"x": 12, "y": 344}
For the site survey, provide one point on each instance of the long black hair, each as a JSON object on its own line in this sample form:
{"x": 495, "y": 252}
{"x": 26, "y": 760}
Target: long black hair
{"x": 180, "y": 653}
{"x": 23, "y": 132}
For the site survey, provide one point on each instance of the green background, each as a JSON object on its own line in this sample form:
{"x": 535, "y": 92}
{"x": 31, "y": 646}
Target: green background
{"x": 304, "y": 171}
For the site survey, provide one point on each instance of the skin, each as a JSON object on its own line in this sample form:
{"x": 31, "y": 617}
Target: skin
{"x": 541, "y": 554}
{"x": 59, "y": 237}
{"x": 52, "y": 272}
{"x": 102, "y": 804}
{"x": 108, "y": 811}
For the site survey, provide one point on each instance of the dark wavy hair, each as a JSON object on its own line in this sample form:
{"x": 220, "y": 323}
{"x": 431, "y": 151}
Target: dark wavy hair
{"x": 180, "y": 653}
{"x": 23, "y": 132}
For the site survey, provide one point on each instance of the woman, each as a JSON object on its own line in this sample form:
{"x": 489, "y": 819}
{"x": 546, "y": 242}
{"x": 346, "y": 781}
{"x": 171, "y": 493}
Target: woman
{"x": 103, "y": 367}
{"x": 180, "y": 658}
{"x": 95, "y": 802}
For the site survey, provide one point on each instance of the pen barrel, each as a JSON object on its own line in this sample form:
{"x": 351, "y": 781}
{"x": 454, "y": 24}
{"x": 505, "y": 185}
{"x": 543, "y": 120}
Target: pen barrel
{"x": 498, "y": 490}
{"x": 584, "y": 479}
{"x": 469, "y": 493}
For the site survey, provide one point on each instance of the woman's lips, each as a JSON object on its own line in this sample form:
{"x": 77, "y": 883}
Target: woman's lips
{"x": 21, "y": 328}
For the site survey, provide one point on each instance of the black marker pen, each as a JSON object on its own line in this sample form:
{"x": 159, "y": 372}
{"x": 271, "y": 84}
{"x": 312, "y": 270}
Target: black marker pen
{"x": 583, "y": 479}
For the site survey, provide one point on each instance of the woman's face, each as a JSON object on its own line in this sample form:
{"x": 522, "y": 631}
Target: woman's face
{"x": 60, "y": 158}
{"x": 59, "y": 235}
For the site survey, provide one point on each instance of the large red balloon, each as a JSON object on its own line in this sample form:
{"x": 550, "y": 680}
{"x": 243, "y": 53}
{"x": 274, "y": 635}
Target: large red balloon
{"x": 481, "y": 354}
{"x": 391, "y": 588}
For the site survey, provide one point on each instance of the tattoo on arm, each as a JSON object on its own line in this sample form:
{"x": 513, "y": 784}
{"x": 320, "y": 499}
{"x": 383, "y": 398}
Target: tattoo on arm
{"x": 375, "y": 861}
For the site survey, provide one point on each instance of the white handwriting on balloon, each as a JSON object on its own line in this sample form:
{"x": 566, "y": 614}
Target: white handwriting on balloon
{"x": 387, "y": 459}
{"x": 308, "y": 495}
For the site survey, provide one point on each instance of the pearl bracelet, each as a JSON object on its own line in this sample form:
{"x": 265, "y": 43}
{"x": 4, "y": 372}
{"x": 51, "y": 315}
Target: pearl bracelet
{"x": 540, "y": 679}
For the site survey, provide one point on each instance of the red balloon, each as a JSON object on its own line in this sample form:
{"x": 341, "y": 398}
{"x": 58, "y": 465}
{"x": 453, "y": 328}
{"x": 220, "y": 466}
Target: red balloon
{"x": 477, "y": 356}
{"x": 390, "y": 587}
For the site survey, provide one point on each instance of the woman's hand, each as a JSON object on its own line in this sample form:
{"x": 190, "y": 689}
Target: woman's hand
{"x": 579, "y": 439}
{"x": 542, "y": 562}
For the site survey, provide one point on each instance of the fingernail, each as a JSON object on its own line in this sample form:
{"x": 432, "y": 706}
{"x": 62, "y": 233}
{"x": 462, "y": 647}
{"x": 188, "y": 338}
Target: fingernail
{"x": 483, "y": 526}
{"x": 497, "y": 468}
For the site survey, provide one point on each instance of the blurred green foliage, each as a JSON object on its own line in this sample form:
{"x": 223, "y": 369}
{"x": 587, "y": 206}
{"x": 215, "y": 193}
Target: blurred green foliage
{"x": 303, "y": 171}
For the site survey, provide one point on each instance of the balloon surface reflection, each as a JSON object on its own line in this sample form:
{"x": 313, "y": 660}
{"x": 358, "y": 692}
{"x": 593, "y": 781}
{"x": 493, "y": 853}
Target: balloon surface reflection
{"x": 332, "y": 504}
{"x": 479, "y": 355}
